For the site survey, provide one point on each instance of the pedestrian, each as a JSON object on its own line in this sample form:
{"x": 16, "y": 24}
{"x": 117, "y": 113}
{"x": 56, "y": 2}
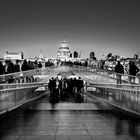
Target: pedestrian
{"x": 1, "y": 68}
{"x": 39, "y": 65}
{"x": 133, "y": 70}
{"x": 7, "y": 66}
{"x": 79, "y": 85}
{"x": 17, "y": 69}
{"x": 52, "y": 86}
{"x": 57, "y": 88}
{"x": 16, "y": 66}
{"x": 119, "y": 71}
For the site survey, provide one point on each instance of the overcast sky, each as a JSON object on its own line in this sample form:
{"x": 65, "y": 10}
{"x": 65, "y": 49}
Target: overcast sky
{"x": 102, "y": 26}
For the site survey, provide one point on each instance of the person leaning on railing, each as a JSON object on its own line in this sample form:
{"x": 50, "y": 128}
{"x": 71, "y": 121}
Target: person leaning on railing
{"x": 119, "y": 71}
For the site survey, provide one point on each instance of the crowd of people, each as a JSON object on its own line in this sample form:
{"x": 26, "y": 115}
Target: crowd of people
{"x": 11, "y": 67}
{"x": 17, "y": 66}
{"x": 63, "y": 87}
{"x": 8, "y": 67}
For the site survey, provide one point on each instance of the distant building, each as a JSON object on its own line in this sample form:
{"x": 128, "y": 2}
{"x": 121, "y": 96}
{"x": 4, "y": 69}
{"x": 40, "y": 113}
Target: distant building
{"x": 13, "y": 55}
{"x": 75, "y": 54}
{"x": 70, "y": 55}
{"x": 92, "y": 55}
{"x": 63, "y": 52}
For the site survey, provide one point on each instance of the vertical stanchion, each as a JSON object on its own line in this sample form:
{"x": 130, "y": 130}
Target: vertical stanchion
{"x": 0, "y": 101}
{"x": 138, "y": 101}
{"x": 15, "y": 97}
{"x": 25, "y": 96}
{"x": 86, "y": 87}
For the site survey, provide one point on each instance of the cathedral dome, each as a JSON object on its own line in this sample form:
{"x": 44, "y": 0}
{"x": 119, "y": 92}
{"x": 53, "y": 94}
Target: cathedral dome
{"x": 63, "y": 52}
{"x": 64, "y": 45}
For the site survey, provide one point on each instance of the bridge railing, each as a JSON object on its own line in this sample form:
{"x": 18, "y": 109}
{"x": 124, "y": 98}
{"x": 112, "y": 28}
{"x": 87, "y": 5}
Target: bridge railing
{"x": 16, "y": 85}
{"x": 15, "y": 94}
{"x": 24, "y": 76}
{"x": 13, "y": 97}
{"x": 123, "y": 86}
{"x": 126, "y": 78}
{"x": 126, "y": 97}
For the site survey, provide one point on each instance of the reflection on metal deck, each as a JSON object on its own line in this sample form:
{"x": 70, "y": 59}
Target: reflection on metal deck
{"x": 90, "y": 115}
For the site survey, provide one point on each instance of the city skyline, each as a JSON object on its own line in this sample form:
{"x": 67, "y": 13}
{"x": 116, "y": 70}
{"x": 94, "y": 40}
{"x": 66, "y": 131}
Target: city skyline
{"x": 101, "y": 26}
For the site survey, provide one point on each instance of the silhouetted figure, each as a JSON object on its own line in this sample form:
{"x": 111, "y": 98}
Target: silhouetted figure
{"x": 16, "y": 66}
{"x": 74, "y": 85}
{"x": 17, "y": 69}
{"x": 39, "y": 65}
{"x": 119, "y": 71}
{"x": 52, "y": 87}
{"x": 65, "y": 87}
{"x": 79, "y": 85}
{"x": 2, "y": 71}
{"x": 57, "y": 88}
{"x": 24, "y": 66}
{"x": 9, "y": 68}
{"x": 30, "y": 65}
{"x": 101, "y": 64}
{"x": 86, "y": 63}
{"x": 70, "y": 86}
{"x": 35, "y": 64}
{"x": 12, "y": 66}
{"x": 133, "y": 70}
{"x": 60, "y": 87}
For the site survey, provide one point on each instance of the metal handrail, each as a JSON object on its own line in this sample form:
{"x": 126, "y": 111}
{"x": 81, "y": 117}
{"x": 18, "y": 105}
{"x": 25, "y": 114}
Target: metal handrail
{"x": 114, "y": 88}
{"x": 111, "y": 74}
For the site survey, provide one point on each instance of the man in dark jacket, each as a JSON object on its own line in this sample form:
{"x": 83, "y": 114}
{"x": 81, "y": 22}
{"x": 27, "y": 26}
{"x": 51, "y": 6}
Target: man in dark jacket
{"x": 16, "y": 66}
{"x": 119, "y": 71}
{"x": 133, "y": 70}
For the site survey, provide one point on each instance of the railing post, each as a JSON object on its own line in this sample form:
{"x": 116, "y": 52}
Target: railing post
{"x": 0, "y": 101}
{"x": 138, "y": 101}
{"x": 15, "y": 97}
{"x": 86, "y": 87}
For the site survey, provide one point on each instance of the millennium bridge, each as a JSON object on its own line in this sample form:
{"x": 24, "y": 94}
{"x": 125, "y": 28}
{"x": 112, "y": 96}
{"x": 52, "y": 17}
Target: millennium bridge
{"x": 103, "y": 110}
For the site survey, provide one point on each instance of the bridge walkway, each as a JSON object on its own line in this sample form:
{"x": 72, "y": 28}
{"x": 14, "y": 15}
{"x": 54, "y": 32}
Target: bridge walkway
{"x": 71, "y": 118}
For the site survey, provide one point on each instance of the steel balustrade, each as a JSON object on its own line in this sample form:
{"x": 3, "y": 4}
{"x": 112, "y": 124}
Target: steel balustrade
{"x": 122, "y": 95}
{"x": 13, "y": 97}
{"x": 26, "y": 76}
{"x": 126, "y": 97}
{"x": 16, "y": 85}
{"x": 15, "y": 94}
{"x": 109, "y": 73}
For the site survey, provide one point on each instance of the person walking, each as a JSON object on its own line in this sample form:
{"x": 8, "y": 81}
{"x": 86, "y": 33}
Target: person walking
{"x": 119, "y": 71}
{"x": 52, "y": 86}
{"x": 133, "y": 70}
{"x": 17, "y": 69}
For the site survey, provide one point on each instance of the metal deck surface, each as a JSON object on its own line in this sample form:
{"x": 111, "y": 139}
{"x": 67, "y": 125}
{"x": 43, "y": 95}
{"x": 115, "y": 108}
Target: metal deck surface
{"x": 70, "y": 118}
